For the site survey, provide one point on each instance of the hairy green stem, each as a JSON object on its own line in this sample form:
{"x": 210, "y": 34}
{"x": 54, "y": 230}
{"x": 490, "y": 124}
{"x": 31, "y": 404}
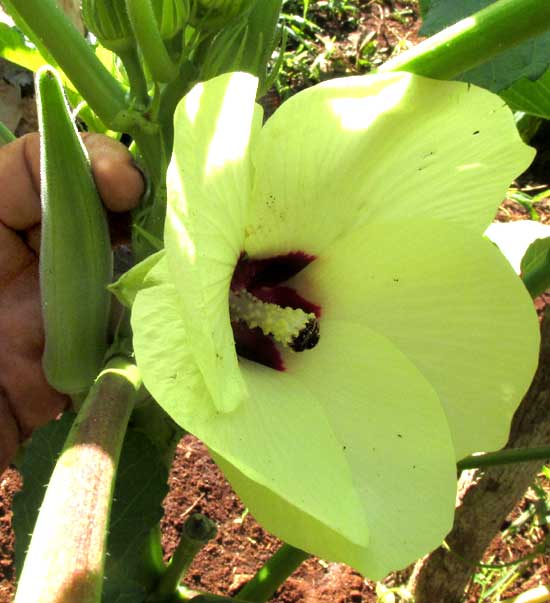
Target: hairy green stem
{"x": 151, "y": 152}
{"x": 6, "y": 135}
{"x": 73, "y": 54}
{"x": 170, "y": 96}
{"x": 134, "y": 71}
{"x": 148, "y": 36}
{"x": 197, "y": 531}
{"x": 277, "y": 569}
{"x": 504, "y": 457}
{"x": 66, "y": 557}
{"x": 474, "y": 40}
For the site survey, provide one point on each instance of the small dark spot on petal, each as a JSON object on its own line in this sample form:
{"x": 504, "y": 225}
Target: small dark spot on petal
{"x": 475, "y": 133}
{"x": 399, "y": 435}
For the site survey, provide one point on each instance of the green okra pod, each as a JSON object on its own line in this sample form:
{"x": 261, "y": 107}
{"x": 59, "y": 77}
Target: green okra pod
{"x": 75, "y": 251}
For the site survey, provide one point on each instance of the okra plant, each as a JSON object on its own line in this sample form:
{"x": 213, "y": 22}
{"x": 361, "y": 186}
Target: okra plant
{"x": 312, "y": 295}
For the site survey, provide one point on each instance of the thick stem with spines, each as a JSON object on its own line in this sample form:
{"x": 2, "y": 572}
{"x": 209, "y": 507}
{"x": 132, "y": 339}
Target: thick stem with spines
{"x": 67, "y": 552}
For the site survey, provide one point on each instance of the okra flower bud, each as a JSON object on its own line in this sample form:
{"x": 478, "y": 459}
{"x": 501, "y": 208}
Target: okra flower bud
{"x": 246, "y": 45}
{"x": 171, "y": 16}
{"x": 108, "y": 21}
{"x": 214, "y": 14}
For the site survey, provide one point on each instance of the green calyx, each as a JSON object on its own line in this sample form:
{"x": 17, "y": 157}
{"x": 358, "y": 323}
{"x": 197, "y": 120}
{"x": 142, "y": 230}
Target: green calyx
{"x": 215, "y": 14}
{"x": 171, "y": 16}
{"x": 108, "y": 21}
{"x": 246, "y": 45}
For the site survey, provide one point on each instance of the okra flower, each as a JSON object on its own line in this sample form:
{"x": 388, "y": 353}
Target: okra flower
{"x": 327, "y": 316}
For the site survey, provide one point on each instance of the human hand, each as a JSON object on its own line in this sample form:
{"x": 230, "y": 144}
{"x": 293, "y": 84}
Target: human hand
{"x": 26, "y": 399}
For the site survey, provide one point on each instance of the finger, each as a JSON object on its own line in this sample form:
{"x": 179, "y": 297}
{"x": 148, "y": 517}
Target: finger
{"x": 33, "y": 237}
{"x": 15, "y": 256}
{"x": 31, "y": 400}
{"x": 119, "y": 182}
{"x": 9, "y": 434}
{"x": 20, "y": 182}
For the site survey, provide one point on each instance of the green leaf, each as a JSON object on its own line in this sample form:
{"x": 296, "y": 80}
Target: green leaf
{"x": 134, "y": 557}
{"x": 438, "y": 14}
{"x": 535, "y": 267}
{"x": 38, "y": 462}
{"x": 528, "y": 60}
{"x": 14, "y": 49}
{"x": 131, "y": 282}
{"x": 530, "y": 97}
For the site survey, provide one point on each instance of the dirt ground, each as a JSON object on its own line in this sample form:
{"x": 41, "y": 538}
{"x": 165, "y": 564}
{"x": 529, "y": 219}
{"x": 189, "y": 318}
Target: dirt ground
{"x": 242, "y": 546}
{"x": 196, "y": 485}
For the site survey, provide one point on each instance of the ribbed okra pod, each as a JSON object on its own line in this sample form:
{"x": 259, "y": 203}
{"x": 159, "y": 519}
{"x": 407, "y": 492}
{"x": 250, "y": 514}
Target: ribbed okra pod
{"x": 75, "y": 252}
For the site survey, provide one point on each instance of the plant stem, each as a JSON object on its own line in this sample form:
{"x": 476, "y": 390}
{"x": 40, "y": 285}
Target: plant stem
{"x": 73, "y": 54}
{"x": 474, "y": 40}
{"x": 277, "y": 569}
{"x": 134, "y": 71}
{"x": 6, "y": 135}
{"x": 151, "y": 151}
{"x": 66, "y": 557}
{"x": 148, "y": 36}
{"x": 171, "y": 94}
{"x": 196, "y": 532}
{"x": 504, "y": 457}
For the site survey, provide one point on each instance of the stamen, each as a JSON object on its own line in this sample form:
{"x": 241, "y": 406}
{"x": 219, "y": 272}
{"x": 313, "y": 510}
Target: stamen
{"x": 291, "y": 327}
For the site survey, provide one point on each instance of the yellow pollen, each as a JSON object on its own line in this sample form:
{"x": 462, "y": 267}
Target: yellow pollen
{"x": 288, "y": 326}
